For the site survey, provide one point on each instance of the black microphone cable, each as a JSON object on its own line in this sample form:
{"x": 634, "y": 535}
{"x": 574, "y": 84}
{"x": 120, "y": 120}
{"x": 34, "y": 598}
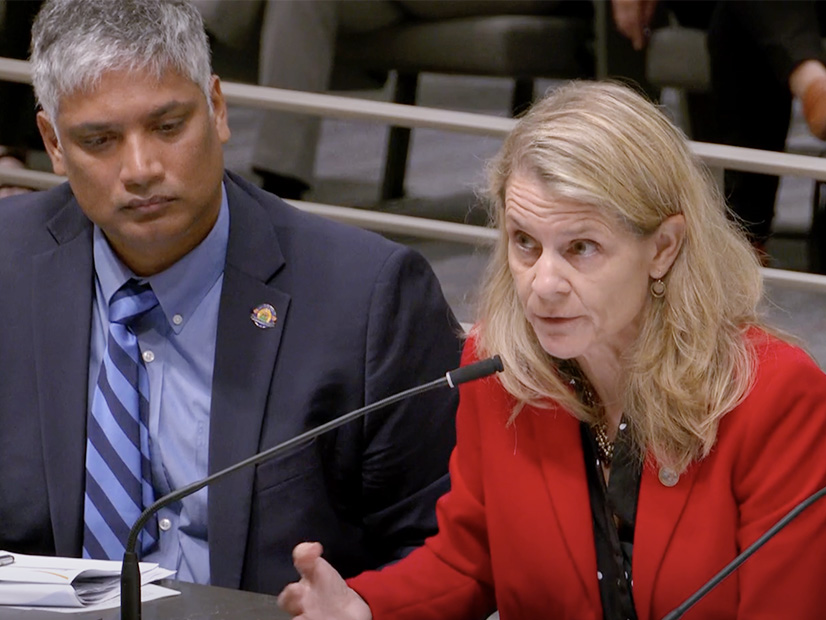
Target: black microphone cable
{"x": 745, "y": 555}
{"x": 130, "y": 571}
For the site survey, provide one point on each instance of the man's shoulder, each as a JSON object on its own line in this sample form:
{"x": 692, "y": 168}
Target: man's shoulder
{"x": 25, "y": 218}
{"x": 27, "y": 213}
{"x": 302, "y": 233}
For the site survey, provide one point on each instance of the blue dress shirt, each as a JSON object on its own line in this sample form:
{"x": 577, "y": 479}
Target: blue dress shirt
{"x": 177, "y": 342}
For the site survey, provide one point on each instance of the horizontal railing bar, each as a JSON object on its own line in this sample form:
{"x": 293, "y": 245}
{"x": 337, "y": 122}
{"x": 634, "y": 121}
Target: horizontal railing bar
{"x": 353, "y": 108}
{"x": 392, "y": 223}
{"x": 812, "y": 282}
{"x": 331, "y": 105}
{"x": 15, "y": 70}
{"x": 29, "y": 178}
{"x": 763, "y": 162}
{"x": 714, "y": 155}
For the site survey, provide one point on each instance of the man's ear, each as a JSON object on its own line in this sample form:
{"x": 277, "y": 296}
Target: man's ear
{"x": 668, "y": 239}
{"x": 50, "y": 140}
{"x": 219, "y": 109}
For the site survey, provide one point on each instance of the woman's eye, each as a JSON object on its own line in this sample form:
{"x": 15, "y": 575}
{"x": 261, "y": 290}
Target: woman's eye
{"x": 525, "y": 242}
{"x": 583, "y": 247}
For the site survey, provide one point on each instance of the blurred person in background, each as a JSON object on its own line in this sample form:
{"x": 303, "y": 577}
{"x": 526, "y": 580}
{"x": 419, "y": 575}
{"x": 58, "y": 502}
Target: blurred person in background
{"x": 764, "y": 53}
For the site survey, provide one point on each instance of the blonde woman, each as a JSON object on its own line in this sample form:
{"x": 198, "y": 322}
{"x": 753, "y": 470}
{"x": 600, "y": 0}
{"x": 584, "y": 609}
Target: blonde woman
{"x": 648, "y": 426}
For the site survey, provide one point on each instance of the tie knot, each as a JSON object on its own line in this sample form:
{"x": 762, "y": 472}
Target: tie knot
{"x": 130, "y": 302}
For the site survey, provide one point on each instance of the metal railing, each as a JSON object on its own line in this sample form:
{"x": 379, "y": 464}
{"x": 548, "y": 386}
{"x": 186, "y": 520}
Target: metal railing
{"x": 333, "y": 106}
{"x": 714, "y": 155}
{"x": 389, "y": 223}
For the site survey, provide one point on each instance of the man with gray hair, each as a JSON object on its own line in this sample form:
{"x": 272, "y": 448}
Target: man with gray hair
{"x": 165, "y": 319}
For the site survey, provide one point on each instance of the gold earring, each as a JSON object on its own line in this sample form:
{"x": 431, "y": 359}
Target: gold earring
{"x": 657, "y": 289}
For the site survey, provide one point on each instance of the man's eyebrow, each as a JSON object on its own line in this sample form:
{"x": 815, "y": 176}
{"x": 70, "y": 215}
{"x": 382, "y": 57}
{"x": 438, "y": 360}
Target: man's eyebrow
{"x": 160, "y": 112}
{"x": 84, "y": 128}
{"x": 172, "y": 106}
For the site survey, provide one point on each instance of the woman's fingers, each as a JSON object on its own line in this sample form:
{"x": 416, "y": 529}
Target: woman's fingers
{"x": 305, "y": 556}
{"x": 321, "y": 593}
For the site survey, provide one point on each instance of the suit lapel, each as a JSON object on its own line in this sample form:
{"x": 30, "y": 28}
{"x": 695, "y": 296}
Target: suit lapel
{"x": 559, "y": 446}
{"x": 659, "y": 508}
{"x": 62, "y": 289}
{"x": 244, "y": 359}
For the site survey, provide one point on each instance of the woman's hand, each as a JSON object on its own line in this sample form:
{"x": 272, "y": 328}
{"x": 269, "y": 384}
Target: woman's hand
{"x": 321, "y": 594}
{"x": 632, "y": 18}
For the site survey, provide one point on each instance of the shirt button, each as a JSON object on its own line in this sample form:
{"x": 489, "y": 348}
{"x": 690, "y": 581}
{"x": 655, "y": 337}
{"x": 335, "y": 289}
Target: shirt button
{"x": 177, "y": 319}
{"x": 148, "y": 356}
{"x": 165, "y": 524}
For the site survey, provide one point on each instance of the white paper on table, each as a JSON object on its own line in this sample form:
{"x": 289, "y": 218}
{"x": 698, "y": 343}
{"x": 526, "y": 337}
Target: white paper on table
{"x": 149, "y": 592}
{"x": 34, "y": 580}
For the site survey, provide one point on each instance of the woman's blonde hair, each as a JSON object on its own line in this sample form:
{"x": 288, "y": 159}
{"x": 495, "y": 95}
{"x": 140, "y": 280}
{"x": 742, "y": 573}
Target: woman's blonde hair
{"x": 602, "y": 144}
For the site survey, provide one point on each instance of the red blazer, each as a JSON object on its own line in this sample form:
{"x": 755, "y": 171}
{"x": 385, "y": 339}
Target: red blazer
{"x": 515, "y": 531}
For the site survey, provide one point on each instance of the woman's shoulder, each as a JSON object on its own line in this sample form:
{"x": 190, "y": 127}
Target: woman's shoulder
{"x": 490, "y": 386}
{"x": 490, "y": 394}
{"x": 788, "y": 390}
{"x": 470, "y": 353}
{"x": 773, "y": 436}
{"x": 779, "y": 355}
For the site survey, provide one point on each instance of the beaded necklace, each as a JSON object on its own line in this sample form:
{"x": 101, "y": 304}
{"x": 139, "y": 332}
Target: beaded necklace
{"x": 576, "y": 379}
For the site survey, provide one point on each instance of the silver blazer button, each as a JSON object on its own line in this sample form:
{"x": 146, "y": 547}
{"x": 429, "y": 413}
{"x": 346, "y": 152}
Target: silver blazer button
{"x": 668, "y": 477}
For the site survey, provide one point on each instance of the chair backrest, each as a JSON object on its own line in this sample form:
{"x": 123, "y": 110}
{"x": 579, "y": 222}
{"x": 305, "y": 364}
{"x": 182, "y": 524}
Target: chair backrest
{"x": 677, "y": 57}
{"x": 492, "y": 45}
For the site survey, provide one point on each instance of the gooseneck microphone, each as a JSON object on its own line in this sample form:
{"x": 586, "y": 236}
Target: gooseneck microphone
{"x": 130, "y": 582}
{"x": 736, "y": 562}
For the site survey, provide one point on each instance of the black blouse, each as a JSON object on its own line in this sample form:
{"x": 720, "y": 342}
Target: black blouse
{"x": 614, "y": 512}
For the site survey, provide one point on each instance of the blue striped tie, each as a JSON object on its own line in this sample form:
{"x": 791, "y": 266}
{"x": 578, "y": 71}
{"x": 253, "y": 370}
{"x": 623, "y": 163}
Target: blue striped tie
{"x": 118, "y": 472}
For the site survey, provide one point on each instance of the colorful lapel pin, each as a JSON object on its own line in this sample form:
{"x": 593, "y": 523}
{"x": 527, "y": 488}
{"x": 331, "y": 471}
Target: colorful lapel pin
{"x": 263, "y": 316}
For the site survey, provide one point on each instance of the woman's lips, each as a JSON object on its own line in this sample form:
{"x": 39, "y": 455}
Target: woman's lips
{"x": 557, "y": 320}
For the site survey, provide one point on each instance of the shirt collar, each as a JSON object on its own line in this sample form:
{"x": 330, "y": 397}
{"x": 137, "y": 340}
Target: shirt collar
{"x": 181, "y": 287}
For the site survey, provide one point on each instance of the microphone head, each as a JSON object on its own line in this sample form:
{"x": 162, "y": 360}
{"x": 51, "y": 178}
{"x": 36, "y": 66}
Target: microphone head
{"x": 474, "y": 371}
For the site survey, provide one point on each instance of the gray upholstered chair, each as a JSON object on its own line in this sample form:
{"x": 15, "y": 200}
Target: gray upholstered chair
{"x": 518, "y": 39}
{"x": 677, "y": 57}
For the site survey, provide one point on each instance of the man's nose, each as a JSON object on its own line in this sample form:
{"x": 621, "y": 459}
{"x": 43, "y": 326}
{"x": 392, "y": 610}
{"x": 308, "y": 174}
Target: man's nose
{"x": 140, "y": 165}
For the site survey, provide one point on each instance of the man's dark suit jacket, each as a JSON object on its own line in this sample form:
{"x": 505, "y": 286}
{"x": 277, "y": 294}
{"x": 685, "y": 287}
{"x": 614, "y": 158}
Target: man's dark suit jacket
{"x": 358, "y": 318}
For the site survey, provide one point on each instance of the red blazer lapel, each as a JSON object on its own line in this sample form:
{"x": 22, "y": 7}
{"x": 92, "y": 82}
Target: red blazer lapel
{"x": 659, "y": 508}
{"x": 559, "y": 447}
